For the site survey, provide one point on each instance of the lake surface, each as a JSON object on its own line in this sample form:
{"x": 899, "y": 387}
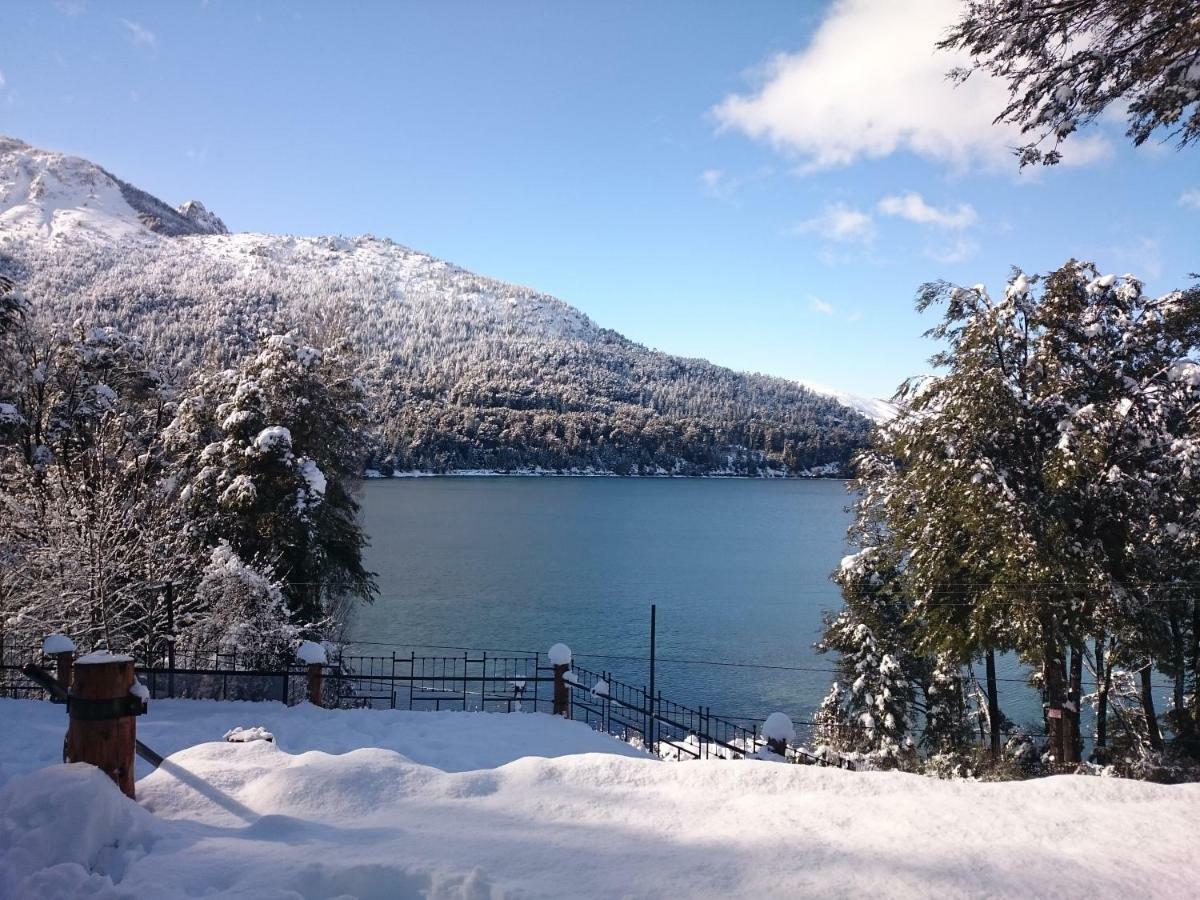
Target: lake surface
{"x": 739, "y": 570}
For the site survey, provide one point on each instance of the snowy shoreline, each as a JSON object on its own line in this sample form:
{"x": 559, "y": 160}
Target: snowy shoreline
{"x": 374, "y": 475}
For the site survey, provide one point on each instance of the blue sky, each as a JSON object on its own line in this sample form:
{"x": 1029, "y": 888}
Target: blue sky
{"x": 764, "y": 185}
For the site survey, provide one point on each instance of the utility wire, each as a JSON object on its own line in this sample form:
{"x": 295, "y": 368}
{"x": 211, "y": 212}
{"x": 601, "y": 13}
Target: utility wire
{"x": 716, "y": 663}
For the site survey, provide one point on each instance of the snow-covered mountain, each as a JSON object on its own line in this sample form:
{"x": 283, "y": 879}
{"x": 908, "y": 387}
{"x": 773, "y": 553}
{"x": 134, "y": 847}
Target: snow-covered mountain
{"x": 874, "y": 408}
{"x": 466, "y": 372}
{"x": 48, "y": 194}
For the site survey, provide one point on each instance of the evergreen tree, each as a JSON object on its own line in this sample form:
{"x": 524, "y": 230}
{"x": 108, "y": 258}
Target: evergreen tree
{"x": 832, "y": 729}
{"x": 876, "y": 658}
{"x": 947, "y": 729}
{"x": 237, "y": 609}
{"x": 1066, "y": 63}
{"x": 1040, "y": 488}
{"x": 270, "y": 452}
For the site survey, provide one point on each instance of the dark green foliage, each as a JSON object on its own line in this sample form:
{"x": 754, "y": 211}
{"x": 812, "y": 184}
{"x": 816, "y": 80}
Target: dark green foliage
{"x": 269, "y": 452}
{"x": 1040, "y": 493}
{"x": 1067, "y": 62}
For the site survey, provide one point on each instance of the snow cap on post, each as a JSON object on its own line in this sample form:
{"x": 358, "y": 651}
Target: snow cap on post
{"x": 101, "y": 657}
{"x": 560, "y": 655}
{"x": 311, "y": 653}
{"x": 56, "y": 643}
{"x": 778, "y": 727}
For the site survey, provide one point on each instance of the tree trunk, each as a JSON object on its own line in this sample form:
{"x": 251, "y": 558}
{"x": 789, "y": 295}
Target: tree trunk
{"x": 1196, "y": 655}
{"x": 1071, "y": 717}
{"x": 1183, "y": 717}
{"x": 1103, "y": 684}
{"x": 993, "y": 705}
{"x": 1055, "y": 680}
{"x": 1156, "y": 740}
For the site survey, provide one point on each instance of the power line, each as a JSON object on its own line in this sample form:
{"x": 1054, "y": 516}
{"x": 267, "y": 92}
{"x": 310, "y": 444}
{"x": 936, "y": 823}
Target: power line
{"x": 714, "y": 663}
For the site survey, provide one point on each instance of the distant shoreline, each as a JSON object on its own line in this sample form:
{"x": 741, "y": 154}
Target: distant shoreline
{"x": 374, "y": 475}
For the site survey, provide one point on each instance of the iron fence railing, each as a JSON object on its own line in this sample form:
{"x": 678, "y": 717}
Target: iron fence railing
{"x": 470, "y": 681}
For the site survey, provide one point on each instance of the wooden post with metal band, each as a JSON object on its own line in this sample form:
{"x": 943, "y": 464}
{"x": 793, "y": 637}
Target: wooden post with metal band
{"x": 102, "y": 705}
{"x": 62, "y": 649}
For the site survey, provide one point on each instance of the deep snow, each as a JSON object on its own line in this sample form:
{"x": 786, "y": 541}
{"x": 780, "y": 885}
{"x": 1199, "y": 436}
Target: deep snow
{"x": 379, "y": 804}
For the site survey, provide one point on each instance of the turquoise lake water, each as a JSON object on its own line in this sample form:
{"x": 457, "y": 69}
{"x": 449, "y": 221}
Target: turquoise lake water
{"x": 738, "y": 568}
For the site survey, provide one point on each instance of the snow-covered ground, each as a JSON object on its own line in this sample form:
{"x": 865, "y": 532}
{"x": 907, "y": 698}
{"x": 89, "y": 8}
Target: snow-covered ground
{"x": 378, "y": 804}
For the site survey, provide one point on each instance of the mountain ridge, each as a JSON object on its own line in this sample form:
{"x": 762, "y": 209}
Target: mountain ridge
{"x": 466, "y": 372}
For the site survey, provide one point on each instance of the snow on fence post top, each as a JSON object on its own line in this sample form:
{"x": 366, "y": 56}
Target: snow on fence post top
{"x": 560, "y": 658}
{"x": 56, "y": 643}
{"x": 778, "y": 730}
{"x": 311, "y": 653}
{"x": 560, "y": 655}
{"x": 102, "y": 657}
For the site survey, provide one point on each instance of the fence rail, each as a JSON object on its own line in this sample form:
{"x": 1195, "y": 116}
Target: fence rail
{"x": 477, "y": 682}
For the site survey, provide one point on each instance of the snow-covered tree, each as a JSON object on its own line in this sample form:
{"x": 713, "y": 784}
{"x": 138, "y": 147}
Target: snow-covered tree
{"x": 238, "y": 609}
{"x": 832, "y": 728}
{"x": 875, "y": 657}
{"x": 947, "y": 726}
{"x": 1066, "y": 63}
{"x": 269, "y": 452}
{"x": 1040, "y": 488}
{"x": 87, "y": 523}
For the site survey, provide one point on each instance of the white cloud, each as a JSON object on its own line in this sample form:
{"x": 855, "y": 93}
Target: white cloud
{"x": 140, "y": 35}
{"x": 839, "y": 222}
{"x": 71, "y": 7}
{"x": 816, "y": 304}
{"x": 3, "y": 81}
{"x": 912, "y": 206}
{"x": 870, "y": 83}
{"x": 1189, "y": 198}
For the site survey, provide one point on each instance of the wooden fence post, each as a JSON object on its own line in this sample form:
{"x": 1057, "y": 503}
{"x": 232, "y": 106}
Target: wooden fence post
{"x": 315, "y": 684}
{"x": 62, "y": 648}
{"x": 101, "y": 707}
{"x": 63, "y": 663}
{"x": 778, "y": 730}
{"x": 312, "y": 655}
{"x": 560, "y": 658}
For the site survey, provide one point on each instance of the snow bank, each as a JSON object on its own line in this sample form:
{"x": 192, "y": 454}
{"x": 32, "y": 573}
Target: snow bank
{"x": 338, "y": 808}
{"x": 66, "y": 831}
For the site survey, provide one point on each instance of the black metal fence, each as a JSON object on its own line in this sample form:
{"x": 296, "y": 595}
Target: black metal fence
{"x": 468, "y": 682}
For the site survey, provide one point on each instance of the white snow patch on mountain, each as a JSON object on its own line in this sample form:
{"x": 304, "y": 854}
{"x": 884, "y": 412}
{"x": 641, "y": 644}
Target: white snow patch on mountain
{"x": 54, "y": 195}
{"x": 874, "y": 408}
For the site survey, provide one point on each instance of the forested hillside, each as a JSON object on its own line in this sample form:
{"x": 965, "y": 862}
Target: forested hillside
{"x": 461, "y": 371}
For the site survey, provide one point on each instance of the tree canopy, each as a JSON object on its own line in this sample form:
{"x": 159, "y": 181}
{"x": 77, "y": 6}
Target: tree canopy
{"x": 1067, "y": 61}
